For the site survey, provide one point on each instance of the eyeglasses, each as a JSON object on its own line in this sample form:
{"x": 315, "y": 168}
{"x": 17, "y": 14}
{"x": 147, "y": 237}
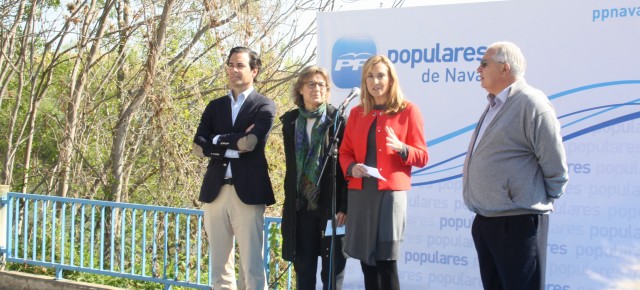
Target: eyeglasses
{"x": 312, "y": 85}
{"x": 484, "y": 63}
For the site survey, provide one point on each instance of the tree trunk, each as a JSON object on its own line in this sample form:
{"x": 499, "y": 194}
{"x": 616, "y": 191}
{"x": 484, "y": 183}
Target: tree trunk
{"x": 122, "y": 127}
{"x": 79, "y": 78}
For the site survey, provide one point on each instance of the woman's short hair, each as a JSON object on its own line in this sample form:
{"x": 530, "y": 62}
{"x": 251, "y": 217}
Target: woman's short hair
{"x": 304, "y": 75}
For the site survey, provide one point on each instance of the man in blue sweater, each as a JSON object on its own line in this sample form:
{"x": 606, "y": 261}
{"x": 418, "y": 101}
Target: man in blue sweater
{"x": 514, "y": 170}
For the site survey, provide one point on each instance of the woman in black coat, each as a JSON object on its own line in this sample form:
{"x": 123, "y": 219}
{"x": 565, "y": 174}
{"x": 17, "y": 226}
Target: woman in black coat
{"x": 306, "y": 132}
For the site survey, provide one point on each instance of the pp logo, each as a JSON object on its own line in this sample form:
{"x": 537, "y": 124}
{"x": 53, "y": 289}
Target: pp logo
{"x": 349, "y": 55}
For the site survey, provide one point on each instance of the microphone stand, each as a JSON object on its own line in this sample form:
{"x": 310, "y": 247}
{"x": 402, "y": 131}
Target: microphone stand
{"x": 333, "y": 152}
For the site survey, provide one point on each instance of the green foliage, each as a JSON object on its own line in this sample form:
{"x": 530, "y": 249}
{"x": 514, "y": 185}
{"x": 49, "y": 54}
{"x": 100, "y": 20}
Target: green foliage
{"x": 129, "y": 241}
{"x": 278, "y": 268}
{"x": 79, "y": 99}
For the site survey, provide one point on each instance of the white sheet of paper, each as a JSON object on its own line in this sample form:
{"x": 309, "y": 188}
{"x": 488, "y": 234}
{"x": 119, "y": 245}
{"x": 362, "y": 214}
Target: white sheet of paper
{"x": 373, "y": 172}
{"x": 329, "y": 230}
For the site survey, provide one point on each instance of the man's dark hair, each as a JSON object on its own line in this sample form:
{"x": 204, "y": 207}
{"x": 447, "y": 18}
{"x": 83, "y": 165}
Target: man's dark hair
{"x": 254, "y": 59}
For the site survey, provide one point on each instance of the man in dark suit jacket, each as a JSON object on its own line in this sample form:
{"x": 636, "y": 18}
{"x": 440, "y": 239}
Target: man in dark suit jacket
{"x": 236, "y": 188}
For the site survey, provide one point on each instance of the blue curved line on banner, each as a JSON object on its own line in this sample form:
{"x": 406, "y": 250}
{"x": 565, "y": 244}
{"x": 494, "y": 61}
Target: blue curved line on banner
{"x": 439, "y": 163}
{"x": 438, "y": 180}
{"x": 593, "y": 86}
{"x": 612, "y": 107}
{"x": 451, "y": 135}
{"x": 437, "y": 171}
{"x": 551, "y": 97}
{"x": 568, "y": 137}
{"x": 602, "y": 125}
{"x": 630, "y": 103}
{"x": 565, "y": 138}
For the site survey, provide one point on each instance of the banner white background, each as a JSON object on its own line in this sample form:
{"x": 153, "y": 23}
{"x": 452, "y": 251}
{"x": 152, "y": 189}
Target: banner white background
{"x": 585, "y": 55}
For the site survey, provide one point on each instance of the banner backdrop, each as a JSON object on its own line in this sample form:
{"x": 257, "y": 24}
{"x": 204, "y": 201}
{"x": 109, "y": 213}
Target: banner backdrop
{"x": 585, "y": 55}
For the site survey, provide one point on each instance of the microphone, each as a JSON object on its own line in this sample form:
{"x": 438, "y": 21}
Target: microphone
{"x": 355, "y": 92}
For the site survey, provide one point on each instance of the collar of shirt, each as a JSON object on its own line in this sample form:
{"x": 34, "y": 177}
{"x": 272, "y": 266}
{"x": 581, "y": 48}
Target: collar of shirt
{"x": 241, "y": 97}
{"x": 236, "y": 105}
{"x": 499, "y": 99}
{"x": 235, "y": 108}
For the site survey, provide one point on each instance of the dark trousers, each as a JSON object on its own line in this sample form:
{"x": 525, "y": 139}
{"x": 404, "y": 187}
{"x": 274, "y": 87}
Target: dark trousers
{"x": 382, "y": 276}
{"x": 311, "y": 243}
{"x": 512, "y": 251}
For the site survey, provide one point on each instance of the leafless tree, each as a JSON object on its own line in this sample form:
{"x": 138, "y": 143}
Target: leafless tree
{"x": 99, "y": 99}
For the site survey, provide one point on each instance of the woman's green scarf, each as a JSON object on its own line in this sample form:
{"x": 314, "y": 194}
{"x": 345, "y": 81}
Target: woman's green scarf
{"x": 309, "y": 155}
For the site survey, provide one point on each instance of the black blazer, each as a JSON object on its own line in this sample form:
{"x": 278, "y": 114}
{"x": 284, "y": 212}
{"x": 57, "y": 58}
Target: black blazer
{"x": 250, "y": 171}
{"x": 327, "y": 180}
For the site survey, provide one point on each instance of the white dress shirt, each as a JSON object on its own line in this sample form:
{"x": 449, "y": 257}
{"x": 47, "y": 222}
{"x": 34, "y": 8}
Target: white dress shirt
{"x": 235, "y": 108}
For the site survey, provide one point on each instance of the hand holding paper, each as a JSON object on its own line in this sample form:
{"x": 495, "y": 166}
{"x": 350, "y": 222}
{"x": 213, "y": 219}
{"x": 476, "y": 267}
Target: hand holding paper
{"x": 328, "y": 231}
{"x": 373, "y": 172}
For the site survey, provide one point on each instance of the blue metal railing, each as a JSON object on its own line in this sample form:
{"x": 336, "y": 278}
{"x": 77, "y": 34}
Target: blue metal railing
{"x": 117, "y": 239}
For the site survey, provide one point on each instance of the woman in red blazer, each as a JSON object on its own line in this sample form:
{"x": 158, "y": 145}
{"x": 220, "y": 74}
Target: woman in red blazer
{"x": 383, "y": 134}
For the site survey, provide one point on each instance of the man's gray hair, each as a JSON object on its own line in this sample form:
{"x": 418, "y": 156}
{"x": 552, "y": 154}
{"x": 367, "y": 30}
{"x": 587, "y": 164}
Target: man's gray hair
{"x": 508, "y": 52}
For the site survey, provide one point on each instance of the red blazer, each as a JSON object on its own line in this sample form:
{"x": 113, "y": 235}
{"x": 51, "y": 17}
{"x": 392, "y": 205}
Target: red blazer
{"x": 407, "y": 125}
